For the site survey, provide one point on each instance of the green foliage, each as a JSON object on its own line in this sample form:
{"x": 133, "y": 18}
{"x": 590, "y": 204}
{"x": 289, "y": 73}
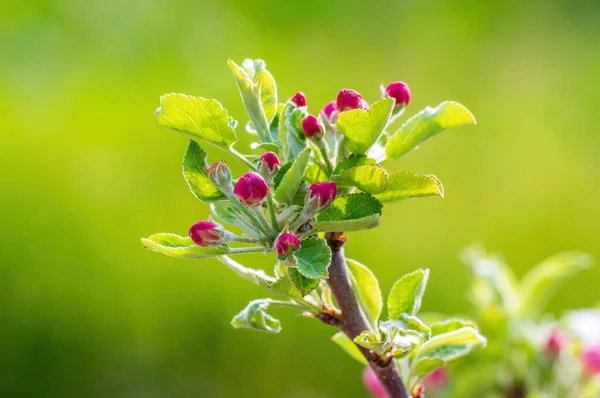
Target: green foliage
{"x": 348, "y": 345}
{"x": 181, "y": 247}
{"x": 313, "y": 258}
{"x": 291, "y": 180}
{"x": 367, "y": 290}
{"x": 303, "y": 284}
{"x": 255, "y": 317}
{"x": 371, "y": 179}
{"x": 406, "y": 185}
{"x": 362, "y": 128}
{"x": 257, "y": 72}
{"x": 200, "y": 118}
{"x": 426, "y": 124}
{"x": 407, "y": 293}
{"x": 290, "y": 131}
{"x": 194, "y": 171}
{"x": 352, "y": 212}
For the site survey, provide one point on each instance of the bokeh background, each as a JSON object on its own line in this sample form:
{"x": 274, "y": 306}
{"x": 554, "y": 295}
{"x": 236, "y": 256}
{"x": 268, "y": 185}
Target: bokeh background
{"x": 85, "y": 172}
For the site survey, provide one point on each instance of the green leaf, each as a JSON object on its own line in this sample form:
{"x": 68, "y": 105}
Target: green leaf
{"x": 352, "y": 212}
{"x": 286, "y": 190}
{"x": 348, "y": 345}
{"x": 256, "y": 276}
{"x": 257, "y": 71}
{"x": 291, "y": 134}
{"x": 362, "y": 128}
{"x": 407, "y": 293}
{"x": 303, "y": 284}
{"x": 426, "y": 124}
{"x": 371, "y": 179}
{"x": 314, "y": 173}
{"x": 427, "y": 365}
{"x": 405, "y": 185}
{"x": 354, "y": 161}
{"x": 194, "y": 164}
{"x": 492, "y": 270}
{"x": 371, "y": 341}
{"x": 407, "y": 324}
{"x": 283, "y": 287}
{"x": 450, "y": 325}
{"x": 367, "y": 291}
{"x": 313, "y": 258}
{"x": 465, "y": 336}
{"x": 251, "y": 96}
{"x": 541, "y": 283}
{"x": 200, "y": 118}
{"x": 224, "y": 211}
{"x": 254, "y": 317}
{"x": 181, "y": 247}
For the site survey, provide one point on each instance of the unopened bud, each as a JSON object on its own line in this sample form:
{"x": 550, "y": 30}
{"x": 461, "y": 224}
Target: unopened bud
{"x": 286, "y": 244}
{"x": 349, "y": 99}
{"x": 206, "y": 233}
{"x": 591, "y": 360}
{"x": 220, "y": 175}
{"x": 299, "y": 99}
{"x": 320, "y": 195}
{"x": 436, "y": 379}
{"x": 555, "y": 344}
{"x": 398, "y": 91}
{"x": 268, "y": 165}
{"x": 327, "y": 111}
{"x": 312, "y": 127}
{"x": 251, "y": 188}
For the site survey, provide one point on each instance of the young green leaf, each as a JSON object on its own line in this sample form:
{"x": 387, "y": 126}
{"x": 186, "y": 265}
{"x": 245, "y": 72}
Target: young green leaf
{"x": 255, "y": 317}
{"x": 286, "y": 190}
{"x": 407, "y": 324}
{"x": 541, "y": 283}
{"x": 257, "y": 71}
{"x": 181, "y": 247}
{"x": 314, "y": 173}
{"x": 450, "y": 325}
{"x": 256, "y": 276}
{"x": 427, "y": 365}
{"x": 352, "y": 212}
{"x": 456, "y": 339}
{"x": 407, "y": 293}
{"x": 405, "y": 185}
{"x": 354, "y": 161}
{"x": 426, "y": 124}
{"x": 194, "y": 171}
{"x": 291, "y": 134}
{"x": 303, "y": 284}
{"x": 313, "y": 258}
{"x": 370, "y": 340}
{"x": 371, "y": 179}
{"x": 224, "y": 211}
{"x": 200, "y": 118}
{"x": 367, "y": 291}
{"x": 362, "y": 128}
{"x": 283, "y": 287}
{"x": 348, "y": 345}
{"x": 251, "y": 96}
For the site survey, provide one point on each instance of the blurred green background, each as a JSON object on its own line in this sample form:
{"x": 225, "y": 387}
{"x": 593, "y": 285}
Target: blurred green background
{"x": 85, "y": 172}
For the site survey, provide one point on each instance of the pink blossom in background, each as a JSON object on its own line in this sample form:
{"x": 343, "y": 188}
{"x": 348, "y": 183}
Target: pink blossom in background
{"x": 372, "y": 385}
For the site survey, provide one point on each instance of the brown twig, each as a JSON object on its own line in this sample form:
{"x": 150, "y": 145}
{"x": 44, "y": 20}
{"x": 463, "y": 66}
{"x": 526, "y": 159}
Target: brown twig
{"x": 354, "y": 322}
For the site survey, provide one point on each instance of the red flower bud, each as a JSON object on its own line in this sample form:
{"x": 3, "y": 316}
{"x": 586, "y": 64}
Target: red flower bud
{"x": 591, "y": 360}
{"x": 398, "y": 91}
{"x": 322, "y": 192}
{"x": 270, "y": 161}
{"x": 328, "y": 110}
{"x": 251, "y": 188}
{"x": 286, "y": 244}
{"x": 372, "y": 384}
{"x": 299, "y": 99}
{"x": 312, "y": 127}
{"x": 206, "y": 233}
{"x": 349, "y": 99}
{"x": 555, "y": 344}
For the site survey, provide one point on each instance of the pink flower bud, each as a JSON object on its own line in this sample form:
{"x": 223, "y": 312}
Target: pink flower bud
{"x": 328, "y": 110}
{"x": 206, "y": 233}
{"x": 286, "y": 244}
{"x": 251, "y": 188}
{"x": 436, "y": 379}
{"x": 312, "y": 127}
{"x": 349, "y": 99}
{"x": 268, "y": 165}
{"x": 372, "y": 384}
{"x": 591, "y": 360}
{"x": 398, "y": 91}
{"x": 220, "y": 175}
{"x": 555, "y": 344}
{"x": 299, "y": 99}
{"x": 323, "y": 192}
